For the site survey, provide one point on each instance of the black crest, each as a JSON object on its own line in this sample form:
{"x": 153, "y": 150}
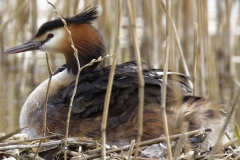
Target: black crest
{"x": 87, "y": 16}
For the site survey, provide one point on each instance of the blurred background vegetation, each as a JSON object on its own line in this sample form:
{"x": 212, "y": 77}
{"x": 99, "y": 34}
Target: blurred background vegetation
{"x": 218, "y": 49}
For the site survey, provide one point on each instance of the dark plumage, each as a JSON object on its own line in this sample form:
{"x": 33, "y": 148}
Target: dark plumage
{"x": 92, "y": 89}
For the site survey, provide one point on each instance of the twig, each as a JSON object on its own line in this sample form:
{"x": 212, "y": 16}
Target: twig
{"x": 164, "y": 81}
{"x": 27, "y": 140}
{"x": 78, "y": 73}
{"x": 233, "y": 106}
{"x": 232, "y": 141}
{"x": 10, "y": 134}
{"x": 140, "y": 78}
{"x": 28, "y": 146}
{"x": 110, "y": 82}
{"x": 96, "y": 60}
{"x": 94, "y": 151}
{"x": 72, "y": 153}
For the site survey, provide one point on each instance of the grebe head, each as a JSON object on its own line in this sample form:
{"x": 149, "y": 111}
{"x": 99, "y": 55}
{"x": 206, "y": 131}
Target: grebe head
{"x": 53, "y": 38}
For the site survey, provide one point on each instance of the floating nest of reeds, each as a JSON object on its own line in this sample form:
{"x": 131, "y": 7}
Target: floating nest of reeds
{"x": 15, "y": 146}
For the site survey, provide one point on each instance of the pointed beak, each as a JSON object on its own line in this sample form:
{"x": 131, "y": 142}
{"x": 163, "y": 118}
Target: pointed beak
{"x": 29, "y": 46}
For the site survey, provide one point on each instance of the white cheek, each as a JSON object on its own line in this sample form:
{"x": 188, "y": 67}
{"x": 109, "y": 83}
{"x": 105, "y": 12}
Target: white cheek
{"x": 52, "y": 44}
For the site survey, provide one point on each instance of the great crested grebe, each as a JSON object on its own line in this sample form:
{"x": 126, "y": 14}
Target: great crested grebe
{"x": 88, "y": 103}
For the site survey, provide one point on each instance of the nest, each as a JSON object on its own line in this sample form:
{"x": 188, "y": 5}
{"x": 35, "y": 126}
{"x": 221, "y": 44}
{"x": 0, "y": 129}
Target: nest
{"x": 16, "y": 146}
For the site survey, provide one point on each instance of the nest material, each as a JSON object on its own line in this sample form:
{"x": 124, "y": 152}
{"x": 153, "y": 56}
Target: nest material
{"x": 17, "y": 146}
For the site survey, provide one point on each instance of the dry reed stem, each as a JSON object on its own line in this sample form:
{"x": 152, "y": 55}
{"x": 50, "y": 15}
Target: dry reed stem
{"x": 30, "y": 146}
{"x": 45, "y": 104}
{"x": 184, "y": 63}
{"x": 229, "y": 116}
{"x": 78, "y": 73}
{"x": 140, "y": 77}
{"x": 38, "y": 148}
{"x": 47, "y": 93}
{"x": 27, "y": 140}
{"x": 211, "y": 71}
{"x": 200, "y": 14}
{"x": 195, "y": 58}
{"x": 164, "y": 81}
{"x": 155, "y": 42}
{"x": 130, "y": 152}
{"x": 154, "y": 141}
{"x": 184, "y": 129}
{"x": 110, "y": 82}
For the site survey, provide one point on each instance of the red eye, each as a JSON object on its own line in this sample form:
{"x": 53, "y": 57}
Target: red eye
{"x": 50, "y": 35}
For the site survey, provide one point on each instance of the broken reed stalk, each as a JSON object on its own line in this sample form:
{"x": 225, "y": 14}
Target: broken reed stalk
{"x": 140, "y": 77}
{"x": 45, "y": 104}
{"x": 78, "y": 73}
{"x": 195, "y": 58}
{"x": 229, "y": 116}
{"x": 164, "y": 81}
{"x": 110, "y": 82}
